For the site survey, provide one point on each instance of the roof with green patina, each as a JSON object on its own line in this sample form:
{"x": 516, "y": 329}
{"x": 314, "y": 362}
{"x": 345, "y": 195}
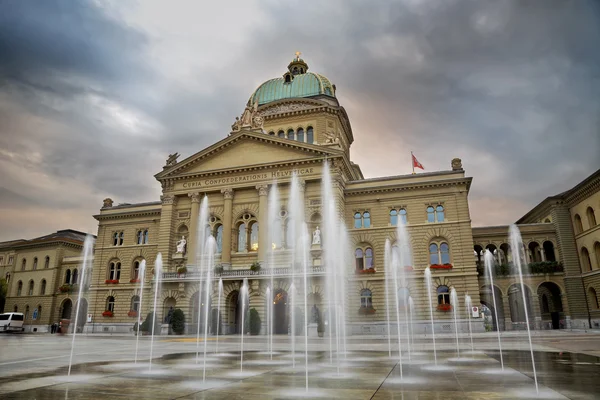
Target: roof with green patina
{"x": 307, "y": 84}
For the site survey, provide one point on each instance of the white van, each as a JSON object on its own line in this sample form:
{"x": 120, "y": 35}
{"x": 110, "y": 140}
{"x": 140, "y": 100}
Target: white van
{"x": 11, "y": 322}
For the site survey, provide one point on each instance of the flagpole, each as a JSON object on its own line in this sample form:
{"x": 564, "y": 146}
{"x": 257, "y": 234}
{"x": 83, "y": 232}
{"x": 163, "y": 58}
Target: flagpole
{"x": 412, "y": 162}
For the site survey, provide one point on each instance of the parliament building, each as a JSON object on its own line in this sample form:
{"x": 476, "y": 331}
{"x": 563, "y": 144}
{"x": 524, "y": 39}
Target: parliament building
{"x": 294, "y": 124}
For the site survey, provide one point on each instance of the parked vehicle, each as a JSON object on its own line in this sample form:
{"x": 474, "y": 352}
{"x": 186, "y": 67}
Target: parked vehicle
{"x": 12, "y": 322}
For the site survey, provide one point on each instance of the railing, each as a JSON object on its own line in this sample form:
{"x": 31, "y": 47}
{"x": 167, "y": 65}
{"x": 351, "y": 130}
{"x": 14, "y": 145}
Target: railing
{"x": 543, "y": 267}
{"x": 241, "y": 273}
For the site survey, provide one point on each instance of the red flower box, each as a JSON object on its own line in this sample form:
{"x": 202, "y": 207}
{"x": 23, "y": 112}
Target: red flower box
{"x": 366, "y": 271}
{"x": 132, "y": 313}
{"x": 444, "y": 307}
{"x": 111, "y": 281}
{"x": 64, "y": 288}
{"x": 107, "y": 314}
{"x": 366, "y": 310}
{"x": 409, "y": 268}
{"x": 134, "y": 281}
{"x": 440, "y": 266}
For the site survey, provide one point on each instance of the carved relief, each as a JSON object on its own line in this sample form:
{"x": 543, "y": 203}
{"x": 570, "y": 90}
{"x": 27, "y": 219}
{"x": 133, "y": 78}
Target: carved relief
{"x": 167, "y": 199}
{"x": 250, "y": 119}
{"x": 283, "y": 108}
{"x": 227, "y": 193}
{"x": 263, "y": 189}
{"x": 457, "y": 164}
{"x": 107, "y": 203}
{"x": 172, "y": 160}
{"x": 195, "y": 196}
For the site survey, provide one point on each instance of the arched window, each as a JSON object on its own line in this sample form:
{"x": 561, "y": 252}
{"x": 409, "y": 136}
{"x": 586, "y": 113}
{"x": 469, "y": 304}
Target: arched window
{"x": 116, "y": 239}
{"x": 140, "y": 237}
{"x": 281, "y": 134}
{"x": 219, "y": 238}
{"x": 110, "y": 304}
{"x": 549, "y": 250}
{"x": 16, "y": 308}
{"x": 136, "y": 270}
{"x": 23, "y": 264}
{"x": 393, "y": 217}
{"x": 439, "y": 213}
{"x": 114, "y": 271}
{"x": 19, "y": 288}
{"x": 291, "y": 135}
{"x": 597, "y": 253}
{"x": 146, "y": 236}
{"x": 43, "y": 287}
{"x": 367, "y": 219}
{"x": 585, "y": 259}
{"x": 366, "y": 299}
{"x": 39, "y": 312}
{"x": 288, "y": 78}
{"x": 254, "y": 236}
{"x": 34, "y": 263}
{"x": 27, "y": 311}
{"x": 241, "y": 237}
{"x": 300, "y": 135}
{"x": 47, "y": 262}
{"x": 593, "y": 296}
{"x": 591, "y": 217}
{"x": 359, "y": 257}
{"x": 368, "y": 258}
{"x": 7, "y": 277}
{"x": 430, "y": 214}
{"x": 75, "y": 276}
{"x": 310, "y": 136}
{"x": 271, "y": 133}
{"x": 68, "y": 276}
{"x": 443, "y": 294}
{"x": 578, "y": 225}
{"x": 121, "y": 238}
{"x": 31, "y": 285}
{"x": 135, "y": 304}
{"x": 357, "y": 220}
{"x": 402, "y": 213}
{"x": 439, "y": 253}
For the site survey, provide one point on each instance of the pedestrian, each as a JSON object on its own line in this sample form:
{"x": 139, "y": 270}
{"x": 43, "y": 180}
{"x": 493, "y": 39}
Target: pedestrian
{"x": 53, "y": 328}
{"x": 59, "y": 330}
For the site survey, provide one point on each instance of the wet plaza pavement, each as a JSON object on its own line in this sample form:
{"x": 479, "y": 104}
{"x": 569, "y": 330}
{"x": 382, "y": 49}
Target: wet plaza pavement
{"x": 362, "y": 374}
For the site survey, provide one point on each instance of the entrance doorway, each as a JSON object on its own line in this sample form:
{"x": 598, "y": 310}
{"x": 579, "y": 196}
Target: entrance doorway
{"x": 280, "y": 323}
{"x": 66, "y": 309}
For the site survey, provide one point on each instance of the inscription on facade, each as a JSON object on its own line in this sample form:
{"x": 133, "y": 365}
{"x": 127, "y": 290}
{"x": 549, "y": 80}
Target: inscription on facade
{"x": 247, "y": 178}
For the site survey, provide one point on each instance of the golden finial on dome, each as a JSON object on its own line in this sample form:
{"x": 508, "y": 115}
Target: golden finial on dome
{"x": 298, "y": 55}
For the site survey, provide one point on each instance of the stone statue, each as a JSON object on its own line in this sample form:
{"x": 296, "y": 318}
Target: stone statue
{"x": 172, "y": 160}
{"x": 181, "y": 245}
{"x": 107, "y": 203}
{"x": 316, "y": 236}
{"x": 250, "y": 119}
{"x": 314, "y": 317}
{"x": 456, "y": 164}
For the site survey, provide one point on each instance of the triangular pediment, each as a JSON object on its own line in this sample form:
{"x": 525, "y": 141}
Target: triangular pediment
{"x": 246, "y": 150}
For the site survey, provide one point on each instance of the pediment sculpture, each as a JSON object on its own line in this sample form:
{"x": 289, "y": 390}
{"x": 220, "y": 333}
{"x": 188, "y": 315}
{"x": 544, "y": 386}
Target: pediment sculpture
{"x": 249, "y": 119}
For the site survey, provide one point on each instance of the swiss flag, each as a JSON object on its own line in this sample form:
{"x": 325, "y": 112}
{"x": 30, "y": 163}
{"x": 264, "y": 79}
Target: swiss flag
{"x": 416, "y": 163}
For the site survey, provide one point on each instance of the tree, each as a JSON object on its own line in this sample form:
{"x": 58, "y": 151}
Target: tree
{"x": 3, "y": 293}
{"x": 254, "y": 322}
{"x": 178, "y": 321}
{"x": 147, "y": 324}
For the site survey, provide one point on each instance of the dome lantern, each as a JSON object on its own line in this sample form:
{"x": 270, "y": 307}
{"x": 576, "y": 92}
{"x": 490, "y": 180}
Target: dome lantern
{"x": 297, "y": 66}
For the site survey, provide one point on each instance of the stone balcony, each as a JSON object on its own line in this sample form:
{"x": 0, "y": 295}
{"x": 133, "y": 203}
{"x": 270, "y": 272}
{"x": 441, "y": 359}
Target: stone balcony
{"x": 263, "y": 273}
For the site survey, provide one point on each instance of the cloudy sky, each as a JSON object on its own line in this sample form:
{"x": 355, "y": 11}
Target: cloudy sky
{"x": 95, "y": 94}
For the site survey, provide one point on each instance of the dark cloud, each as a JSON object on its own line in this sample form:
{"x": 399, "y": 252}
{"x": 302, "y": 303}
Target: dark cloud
{"x": 93, "y": 96}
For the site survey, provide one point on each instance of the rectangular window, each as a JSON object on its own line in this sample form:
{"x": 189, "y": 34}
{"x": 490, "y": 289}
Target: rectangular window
{"x": 10, "y": 260}
{"x": 1, "y": 260}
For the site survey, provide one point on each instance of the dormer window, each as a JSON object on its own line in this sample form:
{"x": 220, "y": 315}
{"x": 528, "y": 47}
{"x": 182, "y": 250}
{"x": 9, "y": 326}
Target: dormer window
{"x": 295, "y": 71}
{"x": 288, "y": 78}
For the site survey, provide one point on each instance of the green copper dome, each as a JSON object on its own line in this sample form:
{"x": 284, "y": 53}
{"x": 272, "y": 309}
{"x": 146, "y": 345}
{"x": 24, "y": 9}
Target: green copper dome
{"x": 297, "y": 82}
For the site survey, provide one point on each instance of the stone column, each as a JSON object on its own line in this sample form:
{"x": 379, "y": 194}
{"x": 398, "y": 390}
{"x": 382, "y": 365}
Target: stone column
{"x": 193, "y": 233}
{"x": 263, "y": 191}
{"x": 164, "y": 231}
{"x": 227, "y": 221}
{"x": 543, "y": 254}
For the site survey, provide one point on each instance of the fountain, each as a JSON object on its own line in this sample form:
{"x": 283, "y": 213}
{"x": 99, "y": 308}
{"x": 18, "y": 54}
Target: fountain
{"x": 201, "y": 234}
{"x": 387, "y": 265}
{"x": 396, "y": 263}
{"x": 219, "y": 313}
{"x": 274, "y": 235}
{"x": 88, "y": 249}
{"x": 411, "y": 306}
{"x": 211, "y": 246}
{"x": 404, "y": 263}
{"x": 293, "y": 323}
{"x": 157, "y": 274}
{"x": 468, "y": 305}
{"x": 428, "y": 284}
{"x": 489, "y": 263}
{"x": 141, "y": 277}
{"x": 516, "y": 244}
{"x": 305, "y": 257}
{"x": 243, "y": 295}
{"x": 454, "y": 302}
